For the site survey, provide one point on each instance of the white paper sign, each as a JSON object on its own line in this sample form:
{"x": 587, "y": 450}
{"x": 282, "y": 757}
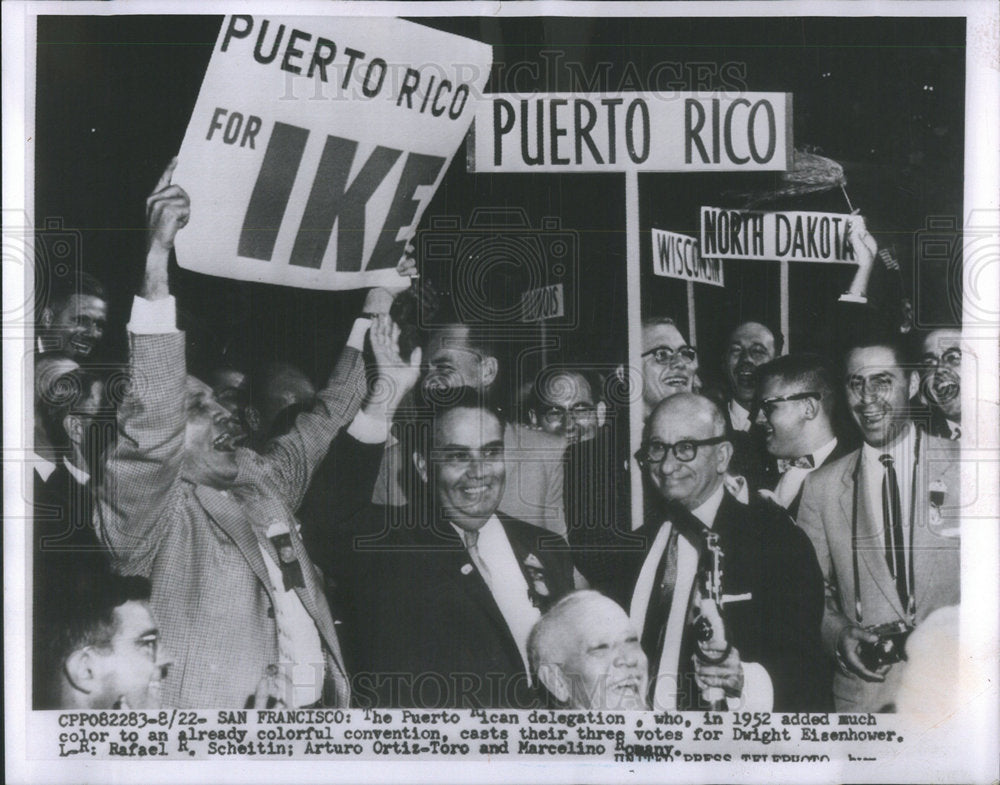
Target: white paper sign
{"x": 676, "y": 256}
{"x": 317, "y": 143}
{"x": 617, "y": 132}
{"x": 792, "y": 237}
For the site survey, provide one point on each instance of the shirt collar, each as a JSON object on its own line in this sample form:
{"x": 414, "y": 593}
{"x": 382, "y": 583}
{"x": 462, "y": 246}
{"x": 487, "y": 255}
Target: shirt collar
{"x": 708, "y": 509}
{"x": 739, "y": 416}
{"x": 902, "y": 446}
{"x": 824, "y": 452}
{"x": 79, "y": 475}
{"x": 488, "y": 532}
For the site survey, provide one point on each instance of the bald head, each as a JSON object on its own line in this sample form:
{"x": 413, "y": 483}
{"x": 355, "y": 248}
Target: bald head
{"x": 691, "y": 406}
{"x": 587, "y": 654}
{"x": 690, "y": 470}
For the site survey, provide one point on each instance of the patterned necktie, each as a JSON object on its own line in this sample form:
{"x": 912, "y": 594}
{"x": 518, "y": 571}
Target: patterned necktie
{"x": 471, "y": 538}
{"x": 892, "y": 520}
{"x": 805, "y": 462}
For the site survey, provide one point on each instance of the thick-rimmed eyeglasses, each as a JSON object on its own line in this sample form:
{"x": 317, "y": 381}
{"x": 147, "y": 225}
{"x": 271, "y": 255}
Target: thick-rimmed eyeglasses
{"x": 768, "y": 405}
{"x": 654, "y": 452}
{"x": 952, "y": 358}
{"x": 664, "y": 355}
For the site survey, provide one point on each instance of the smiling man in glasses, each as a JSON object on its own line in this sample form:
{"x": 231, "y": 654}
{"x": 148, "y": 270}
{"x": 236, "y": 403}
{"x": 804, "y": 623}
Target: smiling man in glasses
{"x": 101, "y": 645}
{"x": 771, "y": 588}
{"x": 562, "y": 403}
{"x": 669, "y": 364}
{"x": 797, "y": 396}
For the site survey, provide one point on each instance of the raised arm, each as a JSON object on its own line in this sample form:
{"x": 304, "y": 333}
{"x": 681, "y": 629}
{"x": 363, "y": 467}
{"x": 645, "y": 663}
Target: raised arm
{"x": 142, "y": 476}
{"x": 294, "y": 457}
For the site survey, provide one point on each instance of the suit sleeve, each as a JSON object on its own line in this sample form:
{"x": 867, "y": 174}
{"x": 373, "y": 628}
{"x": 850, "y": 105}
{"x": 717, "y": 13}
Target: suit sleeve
{"x": 811, "y": 521}
{"x": 793, "y": 656}
{"x": 141, "y": 483}
{"x": 340, "y": 491}
{"x": 292, "y": 459}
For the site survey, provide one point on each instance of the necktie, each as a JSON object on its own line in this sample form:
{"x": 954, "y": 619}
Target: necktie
{"x": 471, "y": 537}
{"x": 805, "y": 462}
{"x": 892, "y": 519}
{"x": 689, "y": 694}
{"x": 655, "y": 625}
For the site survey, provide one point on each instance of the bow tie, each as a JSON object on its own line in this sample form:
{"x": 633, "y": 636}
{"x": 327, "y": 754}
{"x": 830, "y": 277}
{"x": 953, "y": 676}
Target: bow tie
{"x": 805, "y": 462}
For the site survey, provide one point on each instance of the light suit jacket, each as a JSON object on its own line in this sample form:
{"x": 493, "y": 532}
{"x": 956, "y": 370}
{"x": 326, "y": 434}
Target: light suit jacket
{"x": 212, "y": 596}
{"x": 826, "y": 514}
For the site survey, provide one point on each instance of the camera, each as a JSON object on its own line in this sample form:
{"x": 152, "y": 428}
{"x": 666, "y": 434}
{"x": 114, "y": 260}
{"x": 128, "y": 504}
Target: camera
{"x": 890, "y": 647}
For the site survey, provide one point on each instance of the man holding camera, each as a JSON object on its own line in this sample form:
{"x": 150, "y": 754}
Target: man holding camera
{"x": 875, "y": 520}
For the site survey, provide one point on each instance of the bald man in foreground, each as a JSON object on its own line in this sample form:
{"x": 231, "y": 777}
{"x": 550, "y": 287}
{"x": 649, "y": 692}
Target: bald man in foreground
{"x": 586, "y": 654}
{"x": 768, "y": 656}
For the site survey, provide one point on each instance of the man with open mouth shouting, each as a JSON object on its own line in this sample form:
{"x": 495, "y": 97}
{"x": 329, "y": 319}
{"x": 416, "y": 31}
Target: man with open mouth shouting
{"x": 211, "y": 524}
{"x": 941, "y": 381}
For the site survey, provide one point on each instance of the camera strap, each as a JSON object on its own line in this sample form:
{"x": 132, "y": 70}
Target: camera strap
{"x": 911, "y": 603}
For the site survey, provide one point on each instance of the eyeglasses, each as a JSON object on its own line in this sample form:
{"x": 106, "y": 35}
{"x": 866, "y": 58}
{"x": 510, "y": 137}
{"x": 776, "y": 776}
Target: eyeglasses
{"x": 952, "y": 358}
{"x": 654, "y": 452}
{"x": 768, "y": 405}
{"x": 559, "y": 415}
{"x": 664, "y": 355}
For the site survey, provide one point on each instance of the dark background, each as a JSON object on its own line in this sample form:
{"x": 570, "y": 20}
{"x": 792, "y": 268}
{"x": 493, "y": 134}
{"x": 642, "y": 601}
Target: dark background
{"x": 114, "y": 95}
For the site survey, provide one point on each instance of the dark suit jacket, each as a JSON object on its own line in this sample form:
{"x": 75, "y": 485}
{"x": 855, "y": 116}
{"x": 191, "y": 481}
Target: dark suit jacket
{"x": 63, "y": 510}
{"x": 597, "y": 493}
{"x": 65, "y": 550}
{"x": 423, "y": 629}
{"x": 767, "y": 556}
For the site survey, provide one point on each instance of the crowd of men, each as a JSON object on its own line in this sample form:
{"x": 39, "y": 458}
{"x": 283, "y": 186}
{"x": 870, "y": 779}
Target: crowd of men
{"x": 404, "y": 537}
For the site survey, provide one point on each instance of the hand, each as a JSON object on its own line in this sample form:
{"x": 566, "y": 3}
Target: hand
{"x": 379, "y": 299}
{"x": 168, "y": 209}
{"x": 847, "y": 649}
{"x": 727, "y": 675}
{"x": 395, "y": 377}
{"x": 862, "y": 243}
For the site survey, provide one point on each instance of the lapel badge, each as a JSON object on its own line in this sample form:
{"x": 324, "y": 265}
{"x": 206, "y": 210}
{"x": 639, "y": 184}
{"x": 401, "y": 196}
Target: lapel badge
{"x": 938, "y": 490}
{"x": 466, "y": 569}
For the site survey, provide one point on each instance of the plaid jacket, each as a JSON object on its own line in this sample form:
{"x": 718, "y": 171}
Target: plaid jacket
{"x": 211, "y": 592}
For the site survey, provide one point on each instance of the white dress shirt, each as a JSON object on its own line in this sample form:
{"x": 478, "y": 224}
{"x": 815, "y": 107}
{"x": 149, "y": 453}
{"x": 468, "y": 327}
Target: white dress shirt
{"x": 790, "y": 484}
{"x": 901, "y": 451}
{"x": 758, "y": 692}
{"x": 738, "y": 416}
{"x": 507, "y": 583}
